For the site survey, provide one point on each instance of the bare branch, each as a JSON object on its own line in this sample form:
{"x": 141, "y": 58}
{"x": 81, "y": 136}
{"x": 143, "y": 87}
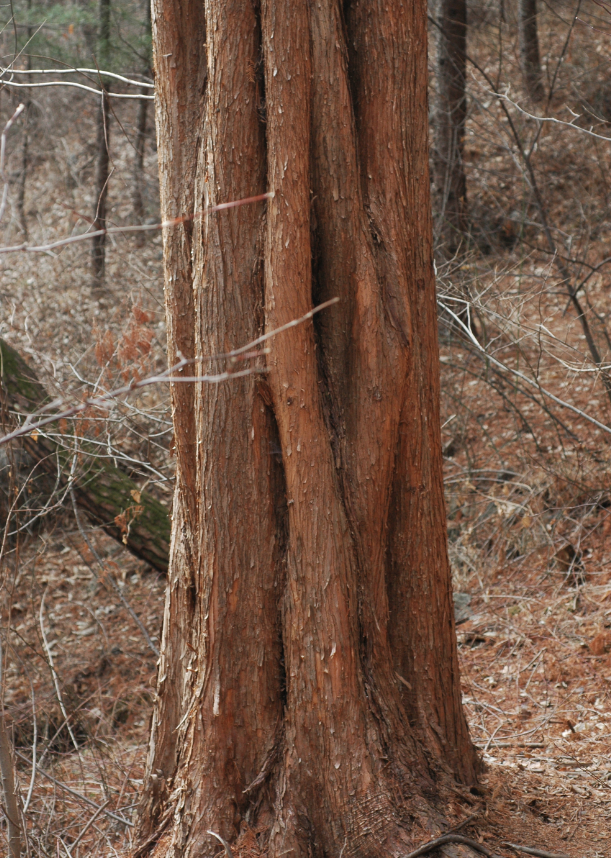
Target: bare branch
{"x": 540, "y": 853}
{"x": 3, "y": 176}
{"x": 31, "y": 425}
{"x": 450, "y": 838}
{"x": 482, "y": 351}
{"x": 551, "y": 119}
{"x": 97, "y": 72}
{"x": 118, "y": 230}
{"x": 77, "y": 795}
{"x": 138, "y": 96}
{"x": 7, "y": 773}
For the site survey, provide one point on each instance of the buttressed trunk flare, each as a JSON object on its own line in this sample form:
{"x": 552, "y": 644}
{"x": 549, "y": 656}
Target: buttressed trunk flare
{"x": 308, "y": 690}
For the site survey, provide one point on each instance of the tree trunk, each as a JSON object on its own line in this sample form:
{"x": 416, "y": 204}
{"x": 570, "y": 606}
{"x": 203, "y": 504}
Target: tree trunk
{"x": 102, "y": 173}
{"x": 529, "y": 49}
{"x": 25, "y": 141}
{"x": 25, "y": 159}
{"x": 138, "y": 166}
{"x": 308, "y": 690}
{"x": 450, "y": 117}
{"x": 108, "y": 496}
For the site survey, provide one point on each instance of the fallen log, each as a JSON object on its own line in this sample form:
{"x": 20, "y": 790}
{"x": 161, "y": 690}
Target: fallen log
{"x": 109, "y": 497}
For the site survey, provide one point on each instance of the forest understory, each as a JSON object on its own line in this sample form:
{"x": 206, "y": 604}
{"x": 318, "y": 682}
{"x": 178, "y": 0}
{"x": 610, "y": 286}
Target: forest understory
{"x": 527, "y": 479}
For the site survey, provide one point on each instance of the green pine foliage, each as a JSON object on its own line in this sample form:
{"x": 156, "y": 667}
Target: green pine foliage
{"x": 61, "y": 34}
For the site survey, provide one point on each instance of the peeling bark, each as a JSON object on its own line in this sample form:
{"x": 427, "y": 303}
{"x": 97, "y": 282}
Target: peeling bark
{"x": 309, "y": 563}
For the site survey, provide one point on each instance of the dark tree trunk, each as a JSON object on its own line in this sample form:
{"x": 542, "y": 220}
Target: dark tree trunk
{"x": 25, "y": 160}
{"x": 450, "y": 116}
{"x": 308, "y": 689}
{"x": 138, "y": 166}
{"x": 530, "y": 60}
{"x": 25, "y": 142}
{"x": 102, "y": 173}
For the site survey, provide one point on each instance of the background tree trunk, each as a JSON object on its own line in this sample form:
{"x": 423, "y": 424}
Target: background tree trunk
{"x": 25, "y": 142}
{"x": 529, "y": 49}
{"x": 102, "y": 174}
{"x": 138, "y": 167}
{"x": 450, "y": 117}
{"x": 299, "y": 585}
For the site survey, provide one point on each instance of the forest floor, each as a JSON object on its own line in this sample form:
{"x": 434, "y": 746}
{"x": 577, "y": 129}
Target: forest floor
{"x": 527, "y": 482}
{"x": 536, "y": 679}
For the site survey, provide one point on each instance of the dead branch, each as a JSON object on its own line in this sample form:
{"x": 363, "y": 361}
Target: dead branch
{"x": 451, "y": 838}
{"x": 77, "y": 795}
{"x": 118, "y": 230}
{"x": 84, "y": 71}
{"x": 169, "y": 376}
{"x": 528, "y": 850}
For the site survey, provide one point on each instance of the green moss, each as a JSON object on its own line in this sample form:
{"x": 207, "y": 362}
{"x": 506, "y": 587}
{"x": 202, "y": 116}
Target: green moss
{"x": 18, "y": 379}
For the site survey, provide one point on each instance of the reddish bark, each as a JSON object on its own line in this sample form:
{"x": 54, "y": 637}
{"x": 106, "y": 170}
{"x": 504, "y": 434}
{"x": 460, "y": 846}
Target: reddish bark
{"x": 309, "y": 562}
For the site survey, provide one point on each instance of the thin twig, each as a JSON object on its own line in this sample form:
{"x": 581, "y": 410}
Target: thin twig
{"x": 75, "y": 794}
{"x": 97, "y": 72}
{"x": 100, "y": 810}
{"x": 168, "y": 376}
{"x": 34, "y": 751}
{"x": 482, "y": 352}
{"x": 7, "y": 775}
{"x": 118, "y": 230}
{"x": 53, "y": 672}
{"x": 462, "y": 824}
{"x": 7, "y": 127}
{"x": 228, "y": 851}
{"x": 77, "y": 86}
{"x": 537, "y": 852}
